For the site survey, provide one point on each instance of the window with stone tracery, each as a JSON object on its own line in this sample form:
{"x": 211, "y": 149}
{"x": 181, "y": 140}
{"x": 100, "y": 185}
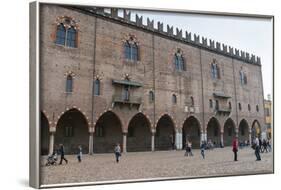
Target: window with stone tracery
{"x": 179, "y": 61}
{"x": 66, "y": 32}
{"x": 243, "y": 77}
{"x": 131, "y": 49}
{"x": 69, "y": 84}
{"x": 215, "y": 70}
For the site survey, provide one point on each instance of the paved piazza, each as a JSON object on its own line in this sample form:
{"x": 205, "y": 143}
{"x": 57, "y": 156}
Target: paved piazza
{"x": 139, "y": 165}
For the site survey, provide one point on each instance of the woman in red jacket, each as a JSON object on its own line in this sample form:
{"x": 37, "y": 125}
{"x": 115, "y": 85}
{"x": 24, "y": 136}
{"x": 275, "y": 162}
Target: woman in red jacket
{"x": 235, "y": 147}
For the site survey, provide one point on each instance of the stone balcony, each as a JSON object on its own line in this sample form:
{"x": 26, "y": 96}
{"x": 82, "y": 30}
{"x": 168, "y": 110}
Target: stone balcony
{"x": 223, "y": 111}
{"x": 131, "y": 100}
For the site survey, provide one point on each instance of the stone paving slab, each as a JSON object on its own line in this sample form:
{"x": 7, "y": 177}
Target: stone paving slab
{"x": 144, "y": 165}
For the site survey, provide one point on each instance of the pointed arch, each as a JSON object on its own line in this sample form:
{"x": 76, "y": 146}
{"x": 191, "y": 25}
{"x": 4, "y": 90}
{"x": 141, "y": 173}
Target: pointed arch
{"x": 72, "y": 131}
{"x": 213, "y": 130}
{"x": 191, "y": 131}
{"x": 139, "y": 133}
{"x": 229, "y": 132}
{"x": 165, "y": 133}
{"x": 256, "y": 129}
{"x": 108, "y": 132}
{"x": 244, "y": 131}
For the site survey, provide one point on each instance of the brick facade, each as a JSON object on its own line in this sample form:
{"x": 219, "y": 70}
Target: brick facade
{"x": 100, "y": 55}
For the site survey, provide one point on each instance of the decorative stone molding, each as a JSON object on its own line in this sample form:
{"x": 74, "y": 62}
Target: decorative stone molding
{"x": 67, "y": 22}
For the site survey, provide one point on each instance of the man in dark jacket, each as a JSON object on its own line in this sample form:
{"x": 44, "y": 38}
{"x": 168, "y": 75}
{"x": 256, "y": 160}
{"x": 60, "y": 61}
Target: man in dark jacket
{"x": 61, "y": 150}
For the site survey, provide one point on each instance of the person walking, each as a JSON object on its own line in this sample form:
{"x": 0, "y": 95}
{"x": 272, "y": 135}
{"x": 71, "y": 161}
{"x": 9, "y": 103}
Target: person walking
{"x": 188, "y": 149}
{"x": 61, "y": 149}
{"x": 235, "y": 147}
{"x": 257, "y": 149}
{"x": 260, "y": 145}
{"x": 189, "y": 145}
{"x": 117, "y": 151}
{"x": 269, "y": 145}
{"x": 202, "y": 148}
{"x": 79, "y": 155}
{"x": 264, "y": 144}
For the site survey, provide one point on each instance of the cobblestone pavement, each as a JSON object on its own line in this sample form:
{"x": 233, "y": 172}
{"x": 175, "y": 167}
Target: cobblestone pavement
{"x": 140, "y": 165}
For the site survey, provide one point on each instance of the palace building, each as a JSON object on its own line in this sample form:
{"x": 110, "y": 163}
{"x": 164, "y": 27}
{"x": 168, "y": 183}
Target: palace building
{"x": 106, "y": 79}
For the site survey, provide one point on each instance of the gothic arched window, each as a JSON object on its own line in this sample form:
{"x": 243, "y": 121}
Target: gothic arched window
{"x": 151, "y": 96}
{"x": 71, "y": 37}
{"x": 239, "y": 106}
{"x": 211, "y": 103}
{"x": 60, "y": 35}
{"x": 131, "y": 49}
{"x": 66, "y": 33}
{"x": 243, "y": 77}
{"x": 97, "y": 87}
{"x": 215, "y": 70}
{"x": 174, "y": 99}
{"x": 179, "y": 61}
{"x": 69, "y": 84}
{"x": 192, "y": 101}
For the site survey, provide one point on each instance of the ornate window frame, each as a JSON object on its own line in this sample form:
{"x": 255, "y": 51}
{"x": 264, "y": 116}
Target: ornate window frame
{"x": 69, "y": 24}
{"x": 131, "y": 46}
{"x": 215, "y": 70}
{"x": 179, "y": 61}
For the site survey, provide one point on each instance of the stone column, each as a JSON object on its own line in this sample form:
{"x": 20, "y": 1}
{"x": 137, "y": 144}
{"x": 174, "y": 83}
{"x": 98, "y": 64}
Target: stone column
{"x": 250, "y": 137}
{"x": 202, "y": 136}
{"x": 178, "y": 140}
{"x": 91, "y": 143}
{"x": 152, "y": 141}
{"x": 222, "y": 143}
{"x": 51, "y": 143}
{"x": 124, "y": 142}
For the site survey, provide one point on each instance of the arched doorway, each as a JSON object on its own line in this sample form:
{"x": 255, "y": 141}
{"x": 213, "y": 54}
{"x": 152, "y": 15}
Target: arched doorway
{"x": 256, "y": 129}
{"x": 243, "y": 131}
{"x": 139, "y": 134}
{"x": 191, "y": 131}
{"x": 165, "y": 133}
{"x": 108, "y": 132}
{"x": 213, "y": 131}
{"x": 72, "y": 131}
{"x": 228, "y": 132}
{"x": 44, "y": 133}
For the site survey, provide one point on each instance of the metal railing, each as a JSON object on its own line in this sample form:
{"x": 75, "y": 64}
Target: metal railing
{"x": 126, "y": 100}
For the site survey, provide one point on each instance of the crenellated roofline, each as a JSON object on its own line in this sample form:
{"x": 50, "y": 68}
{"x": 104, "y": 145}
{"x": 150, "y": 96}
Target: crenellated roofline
{"x": 213, "y": 46}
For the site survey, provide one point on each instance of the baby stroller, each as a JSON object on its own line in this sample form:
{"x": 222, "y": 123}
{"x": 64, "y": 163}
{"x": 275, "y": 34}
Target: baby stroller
{"x": 52, "y": 159}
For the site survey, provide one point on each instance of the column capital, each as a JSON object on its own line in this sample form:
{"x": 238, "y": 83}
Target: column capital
{"x": 91, "y": 129}
{"x": 52, "y": 129}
